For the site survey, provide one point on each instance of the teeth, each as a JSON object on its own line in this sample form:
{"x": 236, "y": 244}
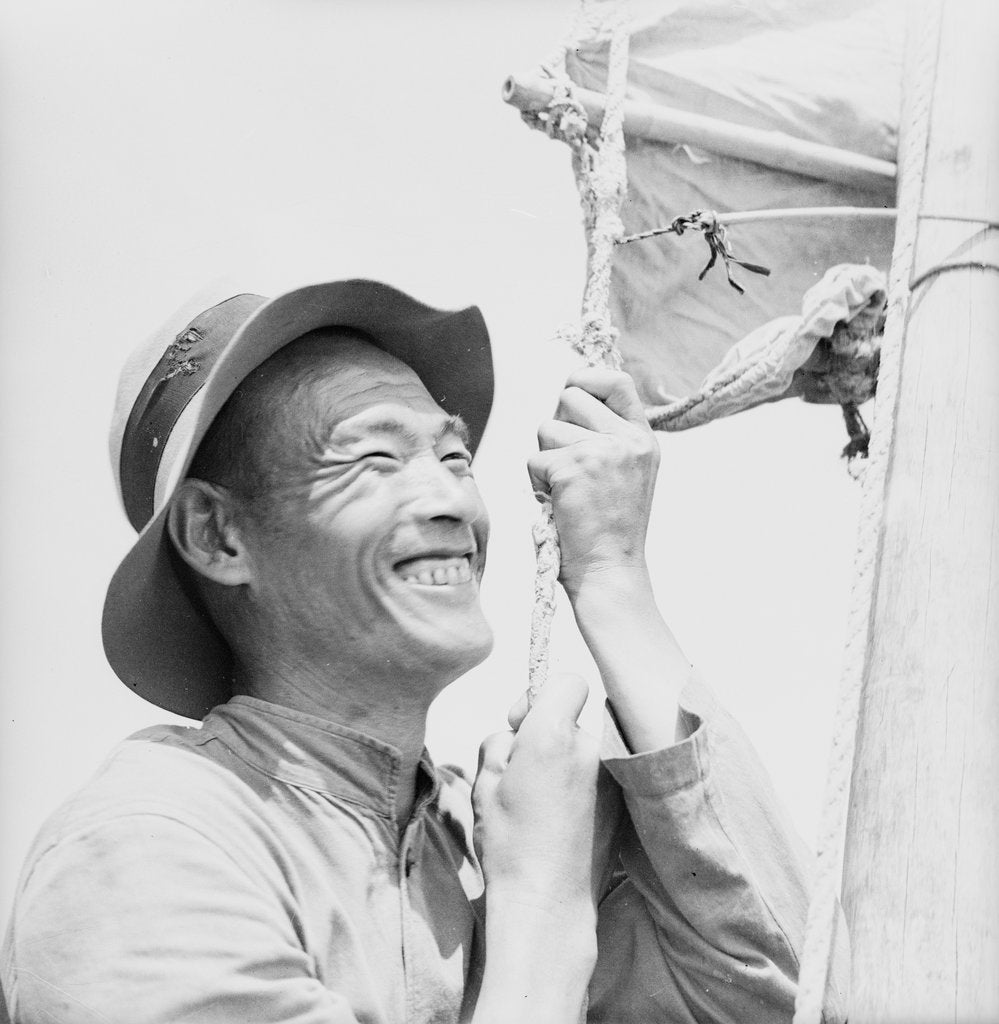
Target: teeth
{"x": 452, "y": 573}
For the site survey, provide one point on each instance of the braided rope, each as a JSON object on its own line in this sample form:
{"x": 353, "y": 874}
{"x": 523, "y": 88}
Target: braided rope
{"x": 823, "y": 913}
{"x": 602, "y": 181}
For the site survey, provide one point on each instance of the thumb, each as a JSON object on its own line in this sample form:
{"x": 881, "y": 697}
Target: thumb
{"x": 558, "y": 702}
{"x": 518, "y": 711}
{"x": 539, "y": 469}
{"x": 494, "y": 753}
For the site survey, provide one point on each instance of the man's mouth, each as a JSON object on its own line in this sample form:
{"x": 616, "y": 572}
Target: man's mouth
{"x": 436, "y": 570}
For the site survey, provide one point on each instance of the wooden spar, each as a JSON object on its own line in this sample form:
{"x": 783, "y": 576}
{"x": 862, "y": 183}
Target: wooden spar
{"x": 920, "y": 885}
{"x": 533, "y": 92}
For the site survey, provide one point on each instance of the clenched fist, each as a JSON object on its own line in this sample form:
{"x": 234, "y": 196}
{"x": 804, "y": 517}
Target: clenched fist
{"x": 598, "y": 462}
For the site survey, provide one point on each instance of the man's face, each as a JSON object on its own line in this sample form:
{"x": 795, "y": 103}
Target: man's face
{"x": 370, "y": 551}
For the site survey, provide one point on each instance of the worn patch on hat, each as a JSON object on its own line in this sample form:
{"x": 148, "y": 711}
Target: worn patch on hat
{"x": 177, "y": 355}
{"x": 175, "y": 379}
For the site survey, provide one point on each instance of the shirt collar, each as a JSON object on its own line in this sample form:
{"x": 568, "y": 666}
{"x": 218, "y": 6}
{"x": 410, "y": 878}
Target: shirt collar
{"x": 310, "y": 752}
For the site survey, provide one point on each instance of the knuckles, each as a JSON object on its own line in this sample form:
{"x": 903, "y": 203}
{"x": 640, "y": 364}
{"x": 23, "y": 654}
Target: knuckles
{"x": 565, "y": 745}
{"x": 631, "y": 447}
{"x": 600, "y": 377}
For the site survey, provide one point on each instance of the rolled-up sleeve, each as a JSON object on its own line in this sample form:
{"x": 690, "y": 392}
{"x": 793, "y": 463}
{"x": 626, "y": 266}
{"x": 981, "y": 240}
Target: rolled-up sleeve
{"x": 144, "y": 920}
{"x": 705, "y": 919}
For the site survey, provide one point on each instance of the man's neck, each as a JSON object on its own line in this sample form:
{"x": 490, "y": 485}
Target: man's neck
{"x": 396, "y": 718}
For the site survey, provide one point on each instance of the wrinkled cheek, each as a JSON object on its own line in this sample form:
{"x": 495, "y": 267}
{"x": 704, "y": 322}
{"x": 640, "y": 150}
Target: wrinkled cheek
{"x": 371, "y": 601}
{"x": 481, "y": 529}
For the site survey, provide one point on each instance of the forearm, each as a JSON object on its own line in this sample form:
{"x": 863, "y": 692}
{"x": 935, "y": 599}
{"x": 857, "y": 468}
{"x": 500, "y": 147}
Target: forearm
{"x": 722, "y": 876}
{"x": 538, "y": 965}
{"x": 641, "y": 664}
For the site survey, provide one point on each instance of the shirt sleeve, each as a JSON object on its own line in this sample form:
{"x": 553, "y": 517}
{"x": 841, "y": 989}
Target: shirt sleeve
{"x": 707, "y": 917}
{"x": 142, "y": 919}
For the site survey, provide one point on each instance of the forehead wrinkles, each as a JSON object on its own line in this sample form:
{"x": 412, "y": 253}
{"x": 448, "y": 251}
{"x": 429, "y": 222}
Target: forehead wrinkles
{"x": 359, "y": 400}
{"x": 327, "y": 380}
{"x": 352, "y": 387}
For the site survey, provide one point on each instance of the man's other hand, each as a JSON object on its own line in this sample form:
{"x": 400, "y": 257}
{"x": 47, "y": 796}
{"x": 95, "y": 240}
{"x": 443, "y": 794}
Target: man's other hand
{"x": 535, "y": 804}
{"x": 598, "y": 462}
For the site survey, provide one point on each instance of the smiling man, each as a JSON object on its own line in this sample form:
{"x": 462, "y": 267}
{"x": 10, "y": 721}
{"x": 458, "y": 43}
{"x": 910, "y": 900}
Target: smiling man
{"x": 306, "y": 582}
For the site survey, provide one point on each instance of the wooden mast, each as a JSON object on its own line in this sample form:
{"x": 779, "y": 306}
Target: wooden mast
{"x": 921, "y": 867}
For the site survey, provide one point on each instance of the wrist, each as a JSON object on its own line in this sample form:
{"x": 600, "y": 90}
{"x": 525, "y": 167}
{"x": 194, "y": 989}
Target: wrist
{"x": 539, "y": 959}
{"x": 642, "y": 666}
{"x": 608, "y": 586}
{"x": 606, "y": 598}
{"x": 536, "y": 911}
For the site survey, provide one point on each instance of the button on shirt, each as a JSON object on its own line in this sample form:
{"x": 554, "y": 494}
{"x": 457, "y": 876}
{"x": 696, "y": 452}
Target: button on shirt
{"x": 252, "y": 870}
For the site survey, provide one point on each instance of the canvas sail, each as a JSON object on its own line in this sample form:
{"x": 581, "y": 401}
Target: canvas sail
{"x": 824, "y": 72}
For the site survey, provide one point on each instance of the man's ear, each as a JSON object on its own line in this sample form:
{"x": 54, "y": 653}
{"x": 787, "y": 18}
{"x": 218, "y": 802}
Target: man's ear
{"x": 203, "y": 530}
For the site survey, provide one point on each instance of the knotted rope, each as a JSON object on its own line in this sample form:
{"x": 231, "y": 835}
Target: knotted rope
{"x": 599, "y": 166}
{"x": 715, "y": 234}
{"x": 820, "y": 929}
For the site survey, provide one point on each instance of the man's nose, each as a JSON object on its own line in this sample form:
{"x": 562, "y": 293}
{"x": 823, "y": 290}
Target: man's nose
{"x": 442, "y": 493}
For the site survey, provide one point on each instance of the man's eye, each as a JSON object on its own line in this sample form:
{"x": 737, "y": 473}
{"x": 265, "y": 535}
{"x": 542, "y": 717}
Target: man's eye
{"x": 459, "y": 462}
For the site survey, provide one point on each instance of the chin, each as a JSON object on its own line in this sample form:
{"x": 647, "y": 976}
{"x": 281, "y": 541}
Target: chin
{"x": 461, "y": 654}
{"x": 446, "y": 658}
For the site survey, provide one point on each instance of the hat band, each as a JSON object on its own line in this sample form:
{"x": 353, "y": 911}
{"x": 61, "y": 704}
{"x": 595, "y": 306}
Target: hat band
{"x": 174, "y": 381}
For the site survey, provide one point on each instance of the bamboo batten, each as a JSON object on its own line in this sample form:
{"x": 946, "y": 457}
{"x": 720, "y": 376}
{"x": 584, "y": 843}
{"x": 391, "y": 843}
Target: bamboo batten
{"x": 920, "y": 885}
{"x": 534, "y": 92}
{"x": 855, "y": 213}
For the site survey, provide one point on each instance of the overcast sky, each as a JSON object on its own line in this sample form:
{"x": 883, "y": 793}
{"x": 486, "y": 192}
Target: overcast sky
{"x": 149, "y": 148}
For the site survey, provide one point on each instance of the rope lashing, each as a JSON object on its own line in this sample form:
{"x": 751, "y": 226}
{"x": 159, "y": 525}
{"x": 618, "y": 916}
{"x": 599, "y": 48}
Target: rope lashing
{"x": 715, "y": 234}
{"x": 599, "y": 167}
{"x": 942, "y": 268}
{"x": 564, "y": 118}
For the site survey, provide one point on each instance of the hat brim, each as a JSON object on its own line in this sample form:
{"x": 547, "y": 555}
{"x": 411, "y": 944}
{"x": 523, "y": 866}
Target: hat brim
{"x": 156, "y": 637}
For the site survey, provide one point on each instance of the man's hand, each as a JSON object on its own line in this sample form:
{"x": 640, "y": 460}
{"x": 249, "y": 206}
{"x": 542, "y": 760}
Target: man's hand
{"x": 535, "y": 805}
{"x": 610, "y": 810}
{"x": 598, "y": 461}
{"x": 535, "y": 801}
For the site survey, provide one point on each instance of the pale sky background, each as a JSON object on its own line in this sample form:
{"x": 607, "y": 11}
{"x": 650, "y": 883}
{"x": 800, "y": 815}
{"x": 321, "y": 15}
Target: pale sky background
{"x": 148, "y": 148}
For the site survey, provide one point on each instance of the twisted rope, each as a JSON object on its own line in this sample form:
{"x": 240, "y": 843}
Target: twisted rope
{"x": 601, "y": 179}
{"x": 820, "y": 929}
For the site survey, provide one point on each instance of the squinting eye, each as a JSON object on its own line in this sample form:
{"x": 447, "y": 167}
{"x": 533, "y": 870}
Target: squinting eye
{"x": 457, "y": 456}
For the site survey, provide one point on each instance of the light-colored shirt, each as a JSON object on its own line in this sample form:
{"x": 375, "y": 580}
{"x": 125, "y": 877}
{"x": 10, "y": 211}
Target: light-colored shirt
{"x": 251, "y": 870}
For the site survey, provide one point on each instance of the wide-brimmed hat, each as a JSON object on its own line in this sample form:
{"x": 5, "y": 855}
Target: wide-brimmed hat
{"x": 156, "y": 637}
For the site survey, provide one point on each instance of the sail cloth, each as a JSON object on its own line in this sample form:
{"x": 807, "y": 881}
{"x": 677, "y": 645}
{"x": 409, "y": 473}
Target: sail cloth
{"x": 823, "y": 72}
{"x": 830, "y": 353}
